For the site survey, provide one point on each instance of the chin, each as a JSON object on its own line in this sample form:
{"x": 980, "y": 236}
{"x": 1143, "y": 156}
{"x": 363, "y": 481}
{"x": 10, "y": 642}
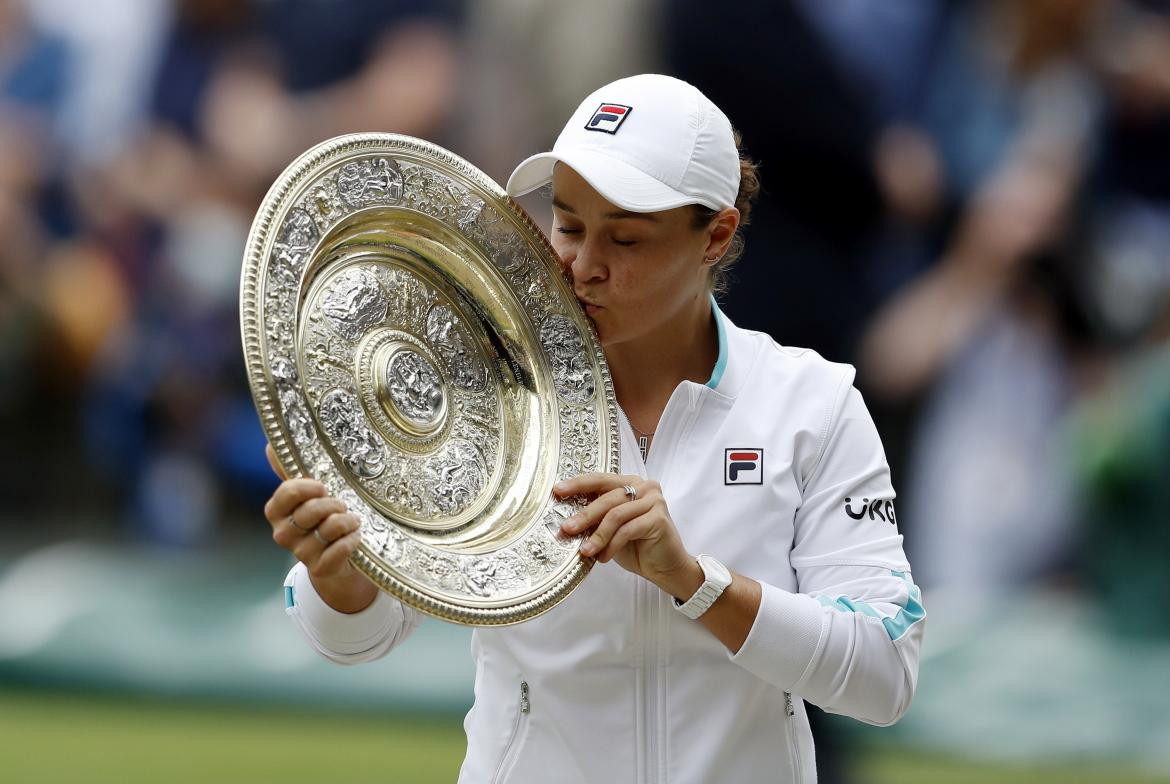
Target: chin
{"x": 608, "y": 333}
{"x": 603, "y": 334}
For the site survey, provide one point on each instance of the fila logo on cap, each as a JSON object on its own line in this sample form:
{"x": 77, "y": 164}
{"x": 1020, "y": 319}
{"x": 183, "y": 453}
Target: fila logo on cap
{"x": 743, "y": 466}
{"x": 609, "y": 117}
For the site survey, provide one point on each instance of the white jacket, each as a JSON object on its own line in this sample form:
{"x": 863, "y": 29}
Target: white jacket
{"x": 614, "y": 685}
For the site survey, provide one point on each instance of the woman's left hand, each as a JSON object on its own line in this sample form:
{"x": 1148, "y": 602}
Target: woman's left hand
{"x": 638, "y": 533}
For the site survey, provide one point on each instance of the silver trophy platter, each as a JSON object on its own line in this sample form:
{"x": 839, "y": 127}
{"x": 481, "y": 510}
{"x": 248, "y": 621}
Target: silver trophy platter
{"x": 411, "y": 342}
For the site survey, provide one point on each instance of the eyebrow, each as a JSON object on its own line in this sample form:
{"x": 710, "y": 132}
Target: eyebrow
{"x": 615, "y": 215}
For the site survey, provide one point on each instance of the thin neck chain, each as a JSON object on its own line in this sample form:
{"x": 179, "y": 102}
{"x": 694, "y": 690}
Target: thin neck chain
{"x": 638, "y": 432}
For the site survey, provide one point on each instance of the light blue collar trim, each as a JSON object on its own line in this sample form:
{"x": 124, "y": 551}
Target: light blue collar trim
{"x": 721, "y": 362}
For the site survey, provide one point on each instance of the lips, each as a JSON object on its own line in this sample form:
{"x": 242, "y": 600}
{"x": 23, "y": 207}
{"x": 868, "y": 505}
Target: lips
{"x": 586, "y": 302}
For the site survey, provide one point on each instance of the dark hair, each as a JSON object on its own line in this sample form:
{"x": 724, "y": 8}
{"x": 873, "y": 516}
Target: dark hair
{"x": 749, "y": 187}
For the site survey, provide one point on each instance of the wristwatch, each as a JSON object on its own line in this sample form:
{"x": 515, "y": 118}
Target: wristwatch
{"x": 716, "y": 578}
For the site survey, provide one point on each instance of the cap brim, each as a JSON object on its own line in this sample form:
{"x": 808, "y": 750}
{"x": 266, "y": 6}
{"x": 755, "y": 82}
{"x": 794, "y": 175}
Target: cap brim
{"x": 617, "y": 181}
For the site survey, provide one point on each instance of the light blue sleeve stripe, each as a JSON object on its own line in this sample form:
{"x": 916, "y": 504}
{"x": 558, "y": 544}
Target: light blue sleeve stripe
{"x": 289, "y": 597}
{"x": 721, "y": 362}
{"x": 897, "y": 626}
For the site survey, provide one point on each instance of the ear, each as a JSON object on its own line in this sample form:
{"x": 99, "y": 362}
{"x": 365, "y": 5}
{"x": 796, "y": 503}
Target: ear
{"x": 719, "y": 234}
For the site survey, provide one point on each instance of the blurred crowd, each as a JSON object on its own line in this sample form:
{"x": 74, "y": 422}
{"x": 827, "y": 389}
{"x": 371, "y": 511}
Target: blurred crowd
{"x": 968, "y": 199}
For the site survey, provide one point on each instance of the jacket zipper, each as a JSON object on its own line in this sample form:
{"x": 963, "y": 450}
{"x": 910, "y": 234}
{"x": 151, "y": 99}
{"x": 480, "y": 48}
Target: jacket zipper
{"x": 790, "y": 726}
{"x": 651, "y": 659}
{"x": 650, "y": 606}
{"x": 507, "y": 760}
{"x": 642, "y": 604}
{"x": 674, "y": 425}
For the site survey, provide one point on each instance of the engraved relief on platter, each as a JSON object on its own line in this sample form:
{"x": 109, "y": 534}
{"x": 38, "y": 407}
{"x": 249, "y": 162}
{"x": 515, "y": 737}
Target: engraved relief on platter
{"x": 434, "y": 193}
{"x": 354, "y": 303}
{"x": 491, "y": 575}
{"x": 434, "y": 486}
{"x": 452, "y": 344}
{"x": 295, "y": 239}
{"x": 370, "y": 181}
{"x": 296, "y": 416}
{"x": 340, "y": 415}
{"x": 430, "y": 363}
{"x": 578, "y": 426}
{"x": 414, "y": 388}
{"x": 389, "y": 397}
{"x": 572, "y": 370}
{"x": 495, "y": 234}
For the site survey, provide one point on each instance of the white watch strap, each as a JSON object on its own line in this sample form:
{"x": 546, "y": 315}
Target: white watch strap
{"x": 716, "y": 578}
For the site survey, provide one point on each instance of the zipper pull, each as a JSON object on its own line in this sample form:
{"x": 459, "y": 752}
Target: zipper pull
{"x": 524, "y": 706}
{"x": 791, "y": 711}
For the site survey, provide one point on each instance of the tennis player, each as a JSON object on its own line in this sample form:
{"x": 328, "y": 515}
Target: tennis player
{"x": 748, "y": 556}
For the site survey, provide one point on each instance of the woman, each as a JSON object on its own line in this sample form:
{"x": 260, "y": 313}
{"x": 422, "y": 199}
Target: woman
{"x": 664, "y": 667}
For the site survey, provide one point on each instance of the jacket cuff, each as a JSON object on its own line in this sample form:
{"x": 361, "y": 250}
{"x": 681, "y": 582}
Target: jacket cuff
{"x": 784, "y": 639}
{"x": 343, "y": 633}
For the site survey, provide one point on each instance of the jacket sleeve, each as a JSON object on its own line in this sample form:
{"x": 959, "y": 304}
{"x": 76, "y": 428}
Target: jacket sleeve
{"x": 849, "y": 640}
{"x": 341, "y": 637}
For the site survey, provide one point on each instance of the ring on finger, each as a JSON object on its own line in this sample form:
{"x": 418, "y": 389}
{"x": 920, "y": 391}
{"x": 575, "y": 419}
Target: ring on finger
{"x": 631, "y": 493}
{"x": 293, "y": 522}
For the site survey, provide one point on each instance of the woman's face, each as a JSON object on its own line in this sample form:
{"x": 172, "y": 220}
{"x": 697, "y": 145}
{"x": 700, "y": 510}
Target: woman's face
{"x": 633, "y": 272}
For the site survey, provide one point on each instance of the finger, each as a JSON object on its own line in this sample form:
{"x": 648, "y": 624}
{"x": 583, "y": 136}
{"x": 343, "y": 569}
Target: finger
{"x": 592, "y": 484}
{"x": 312, "y": 513}
{"x": 308, "y": 550}
{"x": 594, "y": 511}
{"x": 289, "y": 495}
{"x": 302, "y": 521}
{"x": 634, "y": 530}
{"x": 338, "y": 524}
{"x": 333, "y": 526}
{"x": 270, "y": 453}
{"x": 612, "y": 521}
{"x": 335, "y": 557}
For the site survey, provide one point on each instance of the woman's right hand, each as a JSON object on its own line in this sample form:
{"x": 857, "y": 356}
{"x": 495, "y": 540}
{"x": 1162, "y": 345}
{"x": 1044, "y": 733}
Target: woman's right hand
{"x": 322, "y": 534}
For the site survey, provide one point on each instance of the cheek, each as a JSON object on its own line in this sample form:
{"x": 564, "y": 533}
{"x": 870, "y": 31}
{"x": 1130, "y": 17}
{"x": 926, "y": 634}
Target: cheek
{"x": 563, "y": 255}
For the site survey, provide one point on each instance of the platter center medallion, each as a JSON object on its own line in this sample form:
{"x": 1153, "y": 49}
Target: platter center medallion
{"x": 412, "y": 391}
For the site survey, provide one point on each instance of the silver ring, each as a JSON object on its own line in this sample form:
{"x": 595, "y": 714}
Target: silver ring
{"x": 321, "y": 539}
{"x": 293, "y": 522}
{"x": 631, "y": 493}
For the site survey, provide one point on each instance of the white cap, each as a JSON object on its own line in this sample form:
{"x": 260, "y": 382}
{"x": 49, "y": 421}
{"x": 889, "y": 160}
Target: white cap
{"x": 645, "y": 143}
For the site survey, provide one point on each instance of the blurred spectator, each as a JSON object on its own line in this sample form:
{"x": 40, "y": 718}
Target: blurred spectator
{"x": 1121, "y": 434}
{"x": 812, "y": 130}
{"x": 1122, "y": 450}
{"x": 241, "y": 89}
{"x": 995, "y": 332}
{"x": 114, "y": 46}
{"x": 37, "y": 329}
{"x": 535, "y": 58}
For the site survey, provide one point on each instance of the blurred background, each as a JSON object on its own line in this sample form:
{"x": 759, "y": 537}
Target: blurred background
{"x": 968, "y": 199}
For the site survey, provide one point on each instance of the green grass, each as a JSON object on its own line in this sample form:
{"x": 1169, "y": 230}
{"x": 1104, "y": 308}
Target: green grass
{"x": 898, "y": 768}
{"x": 47, "y": 738}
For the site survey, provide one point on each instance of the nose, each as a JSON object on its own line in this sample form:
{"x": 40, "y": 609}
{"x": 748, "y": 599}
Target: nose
{"x": 585, "y": 262}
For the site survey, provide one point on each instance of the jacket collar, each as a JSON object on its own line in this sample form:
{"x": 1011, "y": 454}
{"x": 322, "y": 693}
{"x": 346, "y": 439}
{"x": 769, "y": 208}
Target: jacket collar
{"x": 736, "y": 355}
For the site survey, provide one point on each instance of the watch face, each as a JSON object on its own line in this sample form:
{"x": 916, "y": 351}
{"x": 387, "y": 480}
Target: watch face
{"x": 714, "y": 570}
